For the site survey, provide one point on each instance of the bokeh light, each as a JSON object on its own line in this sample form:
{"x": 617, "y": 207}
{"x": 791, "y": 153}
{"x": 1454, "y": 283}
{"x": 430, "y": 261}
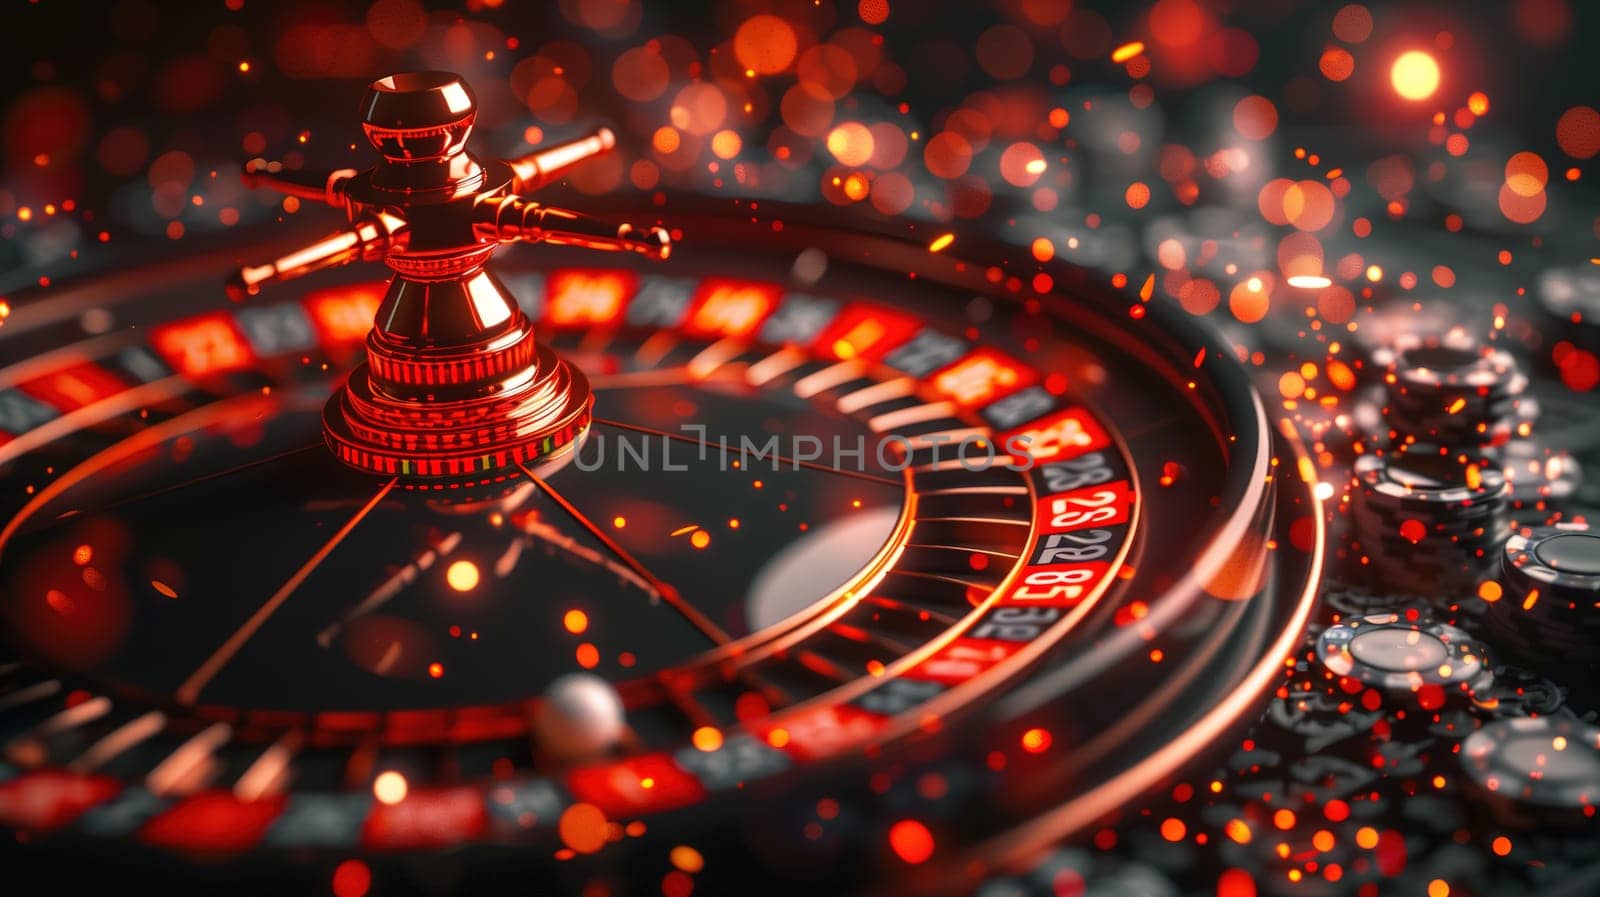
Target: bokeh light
{"x": 1415, "y": 75}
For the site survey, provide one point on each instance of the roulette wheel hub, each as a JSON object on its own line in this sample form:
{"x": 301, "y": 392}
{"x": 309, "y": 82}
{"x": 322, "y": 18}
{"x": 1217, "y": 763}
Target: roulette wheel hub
{"x": 456, "y": 391}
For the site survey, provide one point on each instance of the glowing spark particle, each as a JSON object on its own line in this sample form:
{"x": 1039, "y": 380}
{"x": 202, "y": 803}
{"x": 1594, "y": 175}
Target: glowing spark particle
{"x": 1413, "y": 531}
{"x": 390, "y": 787}
{"x": 462, "y": 576}
{"x": 351, "y": 878}
{"x": 726, "y": 144}
{"x": 707, "y": 738}
{"x": 575, "y": 621}
{"x": 1127, "y": 51}
{"x": 851, "y": 143}
{"x": 619, "y": 521}
{"x": 700, "y": 538}
{"x": 1578, "y": 132}
{"x": 588, "y": 656}
{"x": 686, "y": 859}
{"x": 1415, "y": 75}
{"x": 583, "y": 828}
{"x": 765, "y": 44}
{"x": 911, "y": 841}
{"x": 1310, "y": 281}
{"x": 1036, "y": 741}
{"x": 163, "y": 588}
{"x": 941, "y": 242}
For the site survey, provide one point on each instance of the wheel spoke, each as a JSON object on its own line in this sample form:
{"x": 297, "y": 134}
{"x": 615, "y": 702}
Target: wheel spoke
{"x": 190, "y": 690}
{"x": 666, "y": 592}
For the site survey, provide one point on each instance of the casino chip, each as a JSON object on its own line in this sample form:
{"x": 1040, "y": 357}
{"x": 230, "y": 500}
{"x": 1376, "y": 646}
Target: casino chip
{"x": 1542, "y": 479}
{"x": 1322, "y": 717}
{"x": 1451, "y": 391}
{"x": 1547, "y": 767}
{"x": 1355, "y": 601}
{"x": 1401, "y": 658}
{"x": 1429, "y": 522}
{"x": 1520, "y": 692}
{"x": 1550, "y": 610}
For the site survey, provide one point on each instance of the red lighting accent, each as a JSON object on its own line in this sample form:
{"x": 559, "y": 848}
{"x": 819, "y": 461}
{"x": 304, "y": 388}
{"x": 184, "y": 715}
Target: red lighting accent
{"x": 74, "y": 387}
{"x": 866, "y": 331}
{"x": 343, "y": 315}
{"x": 49, "y": 799}
{"x": 578, "y": 297}
{"x": 983, "y": 376}
{"x": 825, "y": 730}
{"x": 213, "y": 822}
{"x": 351, "y": 878}
{"x": 724, "y": 308}
{"x": 963, "y": 659}
{"x": 648, "y": 782}
{"x": 1058, "y": 437}
{"x": 203, "y": 345}
{"x": 911, "y": 841}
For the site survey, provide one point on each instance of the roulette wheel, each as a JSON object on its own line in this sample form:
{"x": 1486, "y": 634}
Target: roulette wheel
{"x": 250, "y": 621}
{"x": 983, "y": 539}
{"x": 426, "y": 522}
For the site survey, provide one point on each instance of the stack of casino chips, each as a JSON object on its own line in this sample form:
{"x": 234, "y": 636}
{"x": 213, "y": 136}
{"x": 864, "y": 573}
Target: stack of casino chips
{"x": 1548, "y": 613}
{"x": 1429, "y": 522}
{"x": 1542, "y": 479}
{"x": 1451, "y": 392}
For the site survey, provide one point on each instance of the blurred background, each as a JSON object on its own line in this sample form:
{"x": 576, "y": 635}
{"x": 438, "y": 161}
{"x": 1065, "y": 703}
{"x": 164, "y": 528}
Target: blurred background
{"x": 1269, "y": 161}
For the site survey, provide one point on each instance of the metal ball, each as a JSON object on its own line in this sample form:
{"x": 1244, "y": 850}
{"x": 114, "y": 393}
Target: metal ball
{"x": 581, "y": 715}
